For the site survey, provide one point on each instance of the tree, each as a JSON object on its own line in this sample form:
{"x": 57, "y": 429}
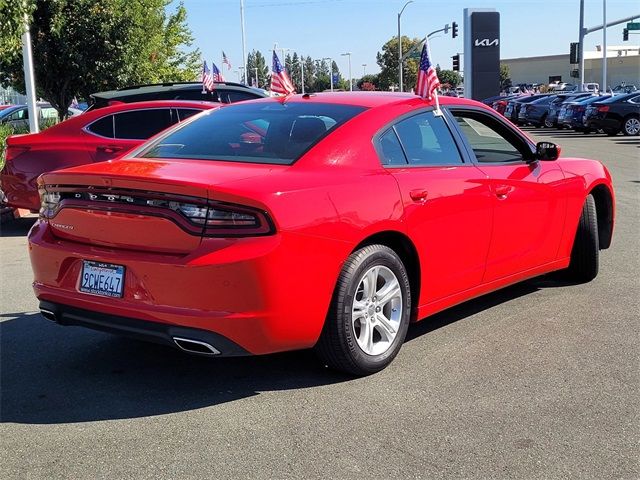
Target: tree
{"x": 255, "y": 59}
{"x": 309, "y": 74}
{"x": 368, "y": 82}
{"x": 12, "y": 15}
{"x": 449, "y": 76}
{"x": 388, "y": 62}
{"x": 504, "y": 74}
{"x": 83, "y": 46}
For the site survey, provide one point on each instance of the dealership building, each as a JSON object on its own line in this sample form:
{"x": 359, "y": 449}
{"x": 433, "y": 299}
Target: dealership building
{"x": 623, "y": 65}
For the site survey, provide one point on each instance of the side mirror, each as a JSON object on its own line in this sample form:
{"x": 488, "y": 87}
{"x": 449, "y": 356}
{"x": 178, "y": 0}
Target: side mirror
{"x": 547, "y": 151}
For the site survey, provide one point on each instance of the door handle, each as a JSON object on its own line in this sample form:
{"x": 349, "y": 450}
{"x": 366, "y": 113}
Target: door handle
{"x": 418, "y": 195}
{"x": 109, "y": 148}
{"x": 502, "y": 191}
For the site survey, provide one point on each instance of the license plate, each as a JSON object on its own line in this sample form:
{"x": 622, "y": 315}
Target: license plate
{"x": 103, "y": 279}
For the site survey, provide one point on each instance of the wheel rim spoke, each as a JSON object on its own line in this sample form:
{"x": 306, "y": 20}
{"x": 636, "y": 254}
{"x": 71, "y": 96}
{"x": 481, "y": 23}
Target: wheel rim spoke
{"x": 376, "y": 311}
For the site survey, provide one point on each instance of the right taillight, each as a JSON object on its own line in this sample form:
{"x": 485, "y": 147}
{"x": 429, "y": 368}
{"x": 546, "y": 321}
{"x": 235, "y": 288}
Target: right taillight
{"x": 603, "y": 109}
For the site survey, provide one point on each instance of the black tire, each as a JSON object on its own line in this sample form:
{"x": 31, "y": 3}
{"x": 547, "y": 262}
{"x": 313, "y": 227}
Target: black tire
{"x": 338, "y": 346}
{"x": 543, "y": 121}
{"x": 585, "y": 255}
{"x": 631, "y": 126}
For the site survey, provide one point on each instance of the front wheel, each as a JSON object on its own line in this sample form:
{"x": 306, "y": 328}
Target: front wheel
{"x": 369, "y": 314}
{"x": 585, "y": 253}
{"x": 631, "y": 126}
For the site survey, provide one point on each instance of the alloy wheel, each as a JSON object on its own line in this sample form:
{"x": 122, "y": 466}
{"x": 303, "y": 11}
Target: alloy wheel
{"x": 632, "y": 126}
{"x": 377, "y": 310}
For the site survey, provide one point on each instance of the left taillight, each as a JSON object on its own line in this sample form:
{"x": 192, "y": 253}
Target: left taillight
{"x": 220, "y": 219}
{"x": 49, "y": 202}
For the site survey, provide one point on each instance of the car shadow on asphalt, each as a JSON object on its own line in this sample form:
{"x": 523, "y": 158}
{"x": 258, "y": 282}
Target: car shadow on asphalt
{"x": 52, "y": 374}
{"x": 18, "y": 227}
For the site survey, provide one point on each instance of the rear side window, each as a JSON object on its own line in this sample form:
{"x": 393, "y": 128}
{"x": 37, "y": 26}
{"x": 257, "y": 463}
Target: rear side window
{"x": 272, "y": 132}
{"x": 232, "y": 96}
{"x": 184, "y": 113}
{"x": 426, "y": 140}
{"x": 102, "y": 127}
{"x": 141, "y": 124}
{"x": 390, "y": 149}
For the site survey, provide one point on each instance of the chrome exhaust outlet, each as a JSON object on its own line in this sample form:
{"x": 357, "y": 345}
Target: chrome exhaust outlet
{"x": 48, "y": 314}
{"x": 195, "y": 346}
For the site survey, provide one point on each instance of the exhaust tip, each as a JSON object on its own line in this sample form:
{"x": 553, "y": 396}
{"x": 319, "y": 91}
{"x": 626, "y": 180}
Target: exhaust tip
{"x": 48, "y": 314}
{"x": 195, "y": 346}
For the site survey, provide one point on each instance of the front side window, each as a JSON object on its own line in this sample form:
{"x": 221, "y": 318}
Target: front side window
{"x": 272, "y": 132}
{"x": 426, "y": 140}
{"x": 490, "y": 141}
{"x": 141, "y": 124}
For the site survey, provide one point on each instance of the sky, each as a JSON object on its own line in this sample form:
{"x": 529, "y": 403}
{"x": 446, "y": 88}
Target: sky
{"x": 328, "y": 28}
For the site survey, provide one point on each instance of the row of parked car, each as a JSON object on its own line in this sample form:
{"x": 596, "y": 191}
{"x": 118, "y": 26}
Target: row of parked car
{"x": 115, "y": 122}
{"x": 581, "y": 111}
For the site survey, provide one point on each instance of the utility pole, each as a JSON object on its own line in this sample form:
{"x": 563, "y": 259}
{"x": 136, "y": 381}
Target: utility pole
{"x": 29, "y": 78}
{"x": 581, "y": 45}
{"x": 330, "y": 71}
{"x": 364, "y": 69}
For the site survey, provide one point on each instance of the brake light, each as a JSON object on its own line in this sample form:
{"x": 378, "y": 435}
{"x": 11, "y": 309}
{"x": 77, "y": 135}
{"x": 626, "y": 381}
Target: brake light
{"x": 603, "y": 109}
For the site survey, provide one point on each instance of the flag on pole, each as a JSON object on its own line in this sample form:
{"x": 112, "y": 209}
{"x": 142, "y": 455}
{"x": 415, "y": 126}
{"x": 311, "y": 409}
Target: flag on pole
{"x": 280, "y": 81}
{"x": 207, "y": 78}
{"x": 225, "y": 61}
{"x": 428, "y": 80}
{"x": 216, "y": 74}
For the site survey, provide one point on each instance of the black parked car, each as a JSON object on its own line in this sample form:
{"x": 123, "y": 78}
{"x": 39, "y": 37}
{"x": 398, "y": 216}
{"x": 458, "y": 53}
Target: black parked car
{"x": 555, "y": 107}
{"x": 225, "y": 92}
{"x": 513, "y": 107}
{"x": 574, "y": 114}
{"x": 620, "y": 112}
{"x": 535, "y": 113}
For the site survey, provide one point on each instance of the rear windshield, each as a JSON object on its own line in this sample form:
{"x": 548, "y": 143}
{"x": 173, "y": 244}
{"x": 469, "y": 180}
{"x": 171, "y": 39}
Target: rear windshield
{"x": 273, "y": 132}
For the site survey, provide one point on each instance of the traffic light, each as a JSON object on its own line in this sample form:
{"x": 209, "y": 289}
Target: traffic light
{"x": 456, "y": 62}
{"x": 625, "y": 34}
{"x": 454, "y": 30}
{"x": 574, "y": 56}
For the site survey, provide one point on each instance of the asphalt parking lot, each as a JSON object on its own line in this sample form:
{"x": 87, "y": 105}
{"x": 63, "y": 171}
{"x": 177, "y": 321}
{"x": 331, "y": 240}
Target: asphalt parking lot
{"x": 540, "y": 380}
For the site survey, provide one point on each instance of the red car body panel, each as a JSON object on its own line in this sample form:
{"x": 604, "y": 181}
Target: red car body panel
{"x": 475, "y": 229}
{"x": 68, "y": 144}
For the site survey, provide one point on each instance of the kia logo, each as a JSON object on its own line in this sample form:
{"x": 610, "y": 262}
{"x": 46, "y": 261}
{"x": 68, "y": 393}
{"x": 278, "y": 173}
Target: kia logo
{"x": 485, "y": 42}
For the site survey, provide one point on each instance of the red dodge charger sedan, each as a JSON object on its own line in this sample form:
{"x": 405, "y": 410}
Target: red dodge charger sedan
{"x": 94, "y": 136}
{"x": 329, "y": 221}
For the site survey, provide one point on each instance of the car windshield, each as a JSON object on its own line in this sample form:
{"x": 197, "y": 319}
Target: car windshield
{"x": 256, "y": 132}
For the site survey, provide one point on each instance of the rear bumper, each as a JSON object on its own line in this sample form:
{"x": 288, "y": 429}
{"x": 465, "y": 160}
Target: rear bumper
{"x": 255, "y": 292}
{"x": 140, "y": 329}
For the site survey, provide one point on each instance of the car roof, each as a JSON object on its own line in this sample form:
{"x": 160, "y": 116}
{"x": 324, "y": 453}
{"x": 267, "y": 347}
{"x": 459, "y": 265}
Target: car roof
{"x": 367, "y": 99}
{"x": 171, "y": 86}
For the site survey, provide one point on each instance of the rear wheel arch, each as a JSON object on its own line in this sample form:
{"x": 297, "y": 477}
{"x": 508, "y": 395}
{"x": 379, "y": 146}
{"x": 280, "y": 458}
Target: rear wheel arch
{"x": 406, "y": 250}
{"x": 604, "y": 212}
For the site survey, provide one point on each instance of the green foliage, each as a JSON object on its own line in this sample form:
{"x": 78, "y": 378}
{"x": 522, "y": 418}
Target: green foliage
{"x": 388, "y": 62}
{"x": 449, "y": 76}
{"x": 255, "y": 59}
{"x": 12, "y": 16}
{"x": 368, "y": 82}
{"x": 84, "y": 46}
{"x": 504, "y": 73}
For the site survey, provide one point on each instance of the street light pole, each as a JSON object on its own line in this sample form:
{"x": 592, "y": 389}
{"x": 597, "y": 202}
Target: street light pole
{"x": 348, "y": 54}
{"x": 604, "y": 46}
{"x": 364, "y": 69}
{"x": 30, "y": 84}
{"x": 301, "y": 72}
{"x": 244, "y": 41}
{"x": 400, "y": 44}
{"x": 330, "y": 71}
{"x": 256, "y": 70}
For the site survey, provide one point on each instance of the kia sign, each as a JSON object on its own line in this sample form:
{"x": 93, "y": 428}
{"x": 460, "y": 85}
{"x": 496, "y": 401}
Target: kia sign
{"x": 481, "y": 53}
